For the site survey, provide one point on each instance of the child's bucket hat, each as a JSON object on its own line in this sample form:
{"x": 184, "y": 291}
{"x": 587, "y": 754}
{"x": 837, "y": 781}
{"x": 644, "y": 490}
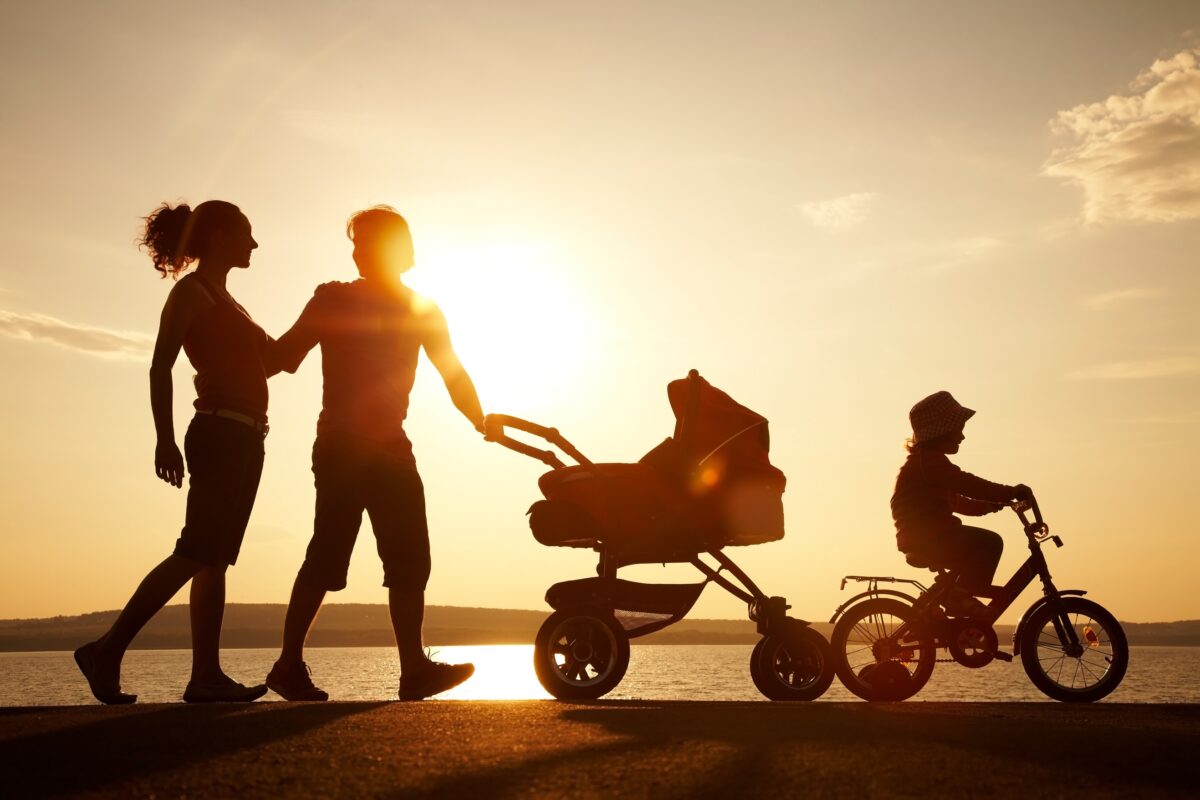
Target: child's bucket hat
{"x": 937, "y": 415}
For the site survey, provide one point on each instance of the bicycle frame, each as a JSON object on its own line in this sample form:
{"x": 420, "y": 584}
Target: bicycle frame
{"x": 1001, "y": 597}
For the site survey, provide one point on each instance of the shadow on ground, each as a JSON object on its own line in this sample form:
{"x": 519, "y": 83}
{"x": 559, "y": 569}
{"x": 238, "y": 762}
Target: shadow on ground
{"x": 843, "y": 749}
{"x": 109, "y": 750}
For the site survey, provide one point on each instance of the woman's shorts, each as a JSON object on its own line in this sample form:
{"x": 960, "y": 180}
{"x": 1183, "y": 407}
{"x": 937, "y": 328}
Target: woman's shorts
{"x": 225, "y": 462}
{"x": 353, "y": 475}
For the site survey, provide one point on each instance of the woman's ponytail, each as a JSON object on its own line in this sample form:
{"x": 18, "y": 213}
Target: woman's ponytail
{"x": 166, "y": 237}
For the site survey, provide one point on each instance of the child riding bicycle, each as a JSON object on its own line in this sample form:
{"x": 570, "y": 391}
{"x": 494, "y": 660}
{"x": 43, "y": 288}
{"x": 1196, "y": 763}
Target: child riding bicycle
{"x": 930, "y": 490}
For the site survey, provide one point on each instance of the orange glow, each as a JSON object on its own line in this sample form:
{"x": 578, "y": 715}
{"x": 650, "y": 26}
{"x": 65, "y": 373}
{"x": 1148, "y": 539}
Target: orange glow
{"x": 519, "y": 326}
{"x": 502, "y": 672}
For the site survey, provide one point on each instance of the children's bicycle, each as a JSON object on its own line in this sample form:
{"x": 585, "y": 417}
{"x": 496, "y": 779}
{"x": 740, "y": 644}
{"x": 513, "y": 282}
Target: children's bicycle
{"x": 885, "y": 641}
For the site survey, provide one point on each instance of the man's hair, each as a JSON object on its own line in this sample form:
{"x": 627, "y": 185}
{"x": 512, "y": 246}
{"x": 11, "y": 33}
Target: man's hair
{"x": 375, "y": 221}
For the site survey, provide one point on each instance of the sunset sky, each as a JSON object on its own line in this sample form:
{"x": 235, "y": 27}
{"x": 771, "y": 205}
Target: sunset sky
{"x": 829, "y": 209}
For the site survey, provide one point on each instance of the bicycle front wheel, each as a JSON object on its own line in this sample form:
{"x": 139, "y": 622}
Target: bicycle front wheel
{"x": 872, "y": 661}
{"x": 1080, "y": 673}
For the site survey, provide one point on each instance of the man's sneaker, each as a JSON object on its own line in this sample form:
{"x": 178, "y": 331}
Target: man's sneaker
{"x": 433, "y": 678}
{"x": 294, "y": 682}
{"x": 223, "y": 691}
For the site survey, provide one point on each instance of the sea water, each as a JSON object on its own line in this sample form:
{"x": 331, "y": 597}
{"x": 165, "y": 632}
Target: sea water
{"x": 505, "y": 672}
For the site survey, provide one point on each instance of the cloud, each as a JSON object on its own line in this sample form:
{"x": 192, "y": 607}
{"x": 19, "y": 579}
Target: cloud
{"x": 1161, "y": 367}
{"x": 1106, "y": 300}
{"x": 84, "y": 338}
{"x": 839, "y": 213}
{"x": 1137, "y": 156}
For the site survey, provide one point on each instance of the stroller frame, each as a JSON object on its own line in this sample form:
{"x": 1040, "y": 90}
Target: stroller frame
{"x": 582, "y": 650}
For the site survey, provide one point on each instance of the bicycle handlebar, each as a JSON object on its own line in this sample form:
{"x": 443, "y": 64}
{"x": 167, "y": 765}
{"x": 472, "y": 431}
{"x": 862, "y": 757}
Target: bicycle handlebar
{"x": 1038, "y": 528}
{"x": 494, "y": 425}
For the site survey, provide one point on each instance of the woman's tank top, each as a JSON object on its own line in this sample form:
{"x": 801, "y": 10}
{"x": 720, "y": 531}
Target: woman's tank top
{"x": 226, "y": 348}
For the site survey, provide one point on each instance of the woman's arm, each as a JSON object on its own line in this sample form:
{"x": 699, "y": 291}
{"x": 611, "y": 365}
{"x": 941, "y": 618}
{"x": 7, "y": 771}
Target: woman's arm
{"x": 179, "y": 312}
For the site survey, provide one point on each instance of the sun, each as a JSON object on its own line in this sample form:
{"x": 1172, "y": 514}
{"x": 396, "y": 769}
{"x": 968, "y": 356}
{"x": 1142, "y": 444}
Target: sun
{"x": 520, "y": 327}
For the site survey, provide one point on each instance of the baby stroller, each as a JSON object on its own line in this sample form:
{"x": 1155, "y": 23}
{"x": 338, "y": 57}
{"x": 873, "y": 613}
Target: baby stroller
{"x": 708, "y": 487}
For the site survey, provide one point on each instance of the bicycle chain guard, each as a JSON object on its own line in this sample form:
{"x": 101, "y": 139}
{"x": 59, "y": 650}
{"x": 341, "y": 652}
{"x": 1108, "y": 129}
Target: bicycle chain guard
{"x": 972, "y": 644}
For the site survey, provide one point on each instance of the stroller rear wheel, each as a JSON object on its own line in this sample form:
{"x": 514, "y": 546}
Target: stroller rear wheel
{"x": 792, "y": 667}
{"x": 580, "y": 654}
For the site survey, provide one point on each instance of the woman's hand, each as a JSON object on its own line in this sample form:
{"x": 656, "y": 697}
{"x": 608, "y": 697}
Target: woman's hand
{"x": 168, "y": 463}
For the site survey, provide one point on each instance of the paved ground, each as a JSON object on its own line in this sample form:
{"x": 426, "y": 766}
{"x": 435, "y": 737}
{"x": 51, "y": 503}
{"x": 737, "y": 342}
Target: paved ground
{"x": 626, "y": 748}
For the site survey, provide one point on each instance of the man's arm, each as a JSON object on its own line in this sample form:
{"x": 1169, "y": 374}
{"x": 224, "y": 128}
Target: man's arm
{"x": 436, "y": 341}
{"x": 286, "y": 353}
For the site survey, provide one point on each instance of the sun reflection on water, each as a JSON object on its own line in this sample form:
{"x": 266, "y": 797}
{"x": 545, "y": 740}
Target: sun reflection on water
{"x": 502, "y": 672}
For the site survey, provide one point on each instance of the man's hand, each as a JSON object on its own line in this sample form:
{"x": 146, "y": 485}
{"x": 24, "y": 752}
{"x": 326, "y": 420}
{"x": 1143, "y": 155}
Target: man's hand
{"x": 168, "y": 463}
{"x": 491, "y": 430}
{"x": 1022, "y": 493}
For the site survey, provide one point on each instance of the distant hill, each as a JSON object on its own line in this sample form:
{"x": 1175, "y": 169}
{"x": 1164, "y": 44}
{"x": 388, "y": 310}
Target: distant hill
{"x": 338, "y": 625}
{"x": 366, "y": 625}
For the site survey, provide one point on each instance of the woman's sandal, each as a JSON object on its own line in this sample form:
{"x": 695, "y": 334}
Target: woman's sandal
{"x": 109, "y": 693}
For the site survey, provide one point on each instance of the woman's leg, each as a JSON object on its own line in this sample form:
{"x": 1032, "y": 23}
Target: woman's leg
{"x": 156, "y": 589}
{"x": 207, "y": 611}
{"x": 226, "y": 459}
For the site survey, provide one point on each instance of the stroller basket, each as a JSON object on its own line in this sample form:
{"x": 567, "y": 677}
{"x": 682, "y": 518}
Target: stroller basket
{"x": 710, "y": 485}
{"x": 640, "y": 608}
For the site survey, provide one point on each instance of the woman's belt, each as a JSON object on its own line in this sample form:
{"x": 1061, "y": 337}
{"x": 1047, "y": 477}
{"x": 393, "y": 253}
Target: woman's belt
{"x": 237, "y": 416}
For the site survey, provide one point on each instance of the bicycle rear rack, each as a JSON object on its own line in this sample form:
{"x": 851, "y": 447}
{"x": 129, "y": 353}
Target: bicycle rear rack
{"x": 873, "y": 582}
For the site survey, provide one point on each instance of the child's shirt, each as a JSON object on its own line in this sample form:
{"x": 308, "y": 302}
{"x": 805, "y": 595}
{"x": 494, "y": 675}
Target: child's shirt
{"x": 930, "y": 491}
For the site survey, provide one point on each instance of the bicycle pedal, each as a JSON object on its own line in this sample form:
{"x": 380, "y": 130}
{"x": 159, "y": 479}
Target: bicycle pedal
{"x": 1002, "y": 656}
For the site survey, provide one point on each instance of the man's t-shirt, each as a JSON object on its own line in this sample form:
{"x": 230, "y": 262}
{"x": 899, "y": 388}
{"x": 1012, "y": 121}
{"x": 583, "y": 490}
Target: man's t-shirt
{"x": 370, "y": 338}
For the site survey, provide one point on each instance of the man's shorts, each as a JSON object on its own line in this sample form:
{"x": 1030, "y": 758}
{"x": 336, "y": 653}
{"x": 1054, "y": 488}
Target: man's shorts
{"x": 225, "y": 462}
{"x": 353, "y": 475}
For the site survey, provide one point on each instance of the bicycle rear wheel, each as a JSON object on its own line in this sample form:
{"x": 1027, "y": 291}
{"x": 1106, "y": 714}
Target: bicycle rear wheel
{"x": 870, "y": 661}
{"x": 1083, "y": 673}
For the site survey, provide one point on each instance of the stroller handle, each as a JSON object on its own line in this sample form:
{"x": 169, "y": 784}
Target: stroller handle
{"x": 494, "y": 425}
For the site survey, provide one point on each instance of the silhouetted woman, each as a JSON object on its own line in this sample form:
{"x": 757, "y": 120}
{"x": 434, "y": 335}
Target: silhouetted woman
{"x": 224, "y": 442}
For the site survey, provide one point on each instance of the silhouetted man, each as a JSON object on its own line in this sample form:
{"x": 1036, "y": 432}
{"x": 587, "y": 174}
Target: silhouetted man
{"x": 370, "y": 331}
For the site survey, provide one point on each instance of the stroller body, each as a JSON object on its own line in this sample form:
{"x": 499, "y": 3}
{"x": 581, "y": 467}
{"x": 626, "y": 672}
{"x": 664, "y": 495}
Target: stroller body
{"x": 709, "y": 486}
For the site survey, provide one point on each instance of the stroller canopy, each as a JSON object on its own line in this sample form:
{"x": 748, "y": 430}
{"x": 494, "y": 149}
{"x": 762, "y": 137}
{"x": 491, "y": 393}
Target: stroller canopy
{"x": 719, "y": 456}
{"x": 709, "y": 422}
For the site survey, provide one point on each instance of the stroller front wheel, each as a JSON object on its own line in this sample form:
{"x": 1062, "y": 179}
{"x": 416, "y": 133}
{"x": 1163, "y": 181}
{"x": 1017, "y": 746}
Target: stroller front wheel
{"x": 792, "y": 667}
{"x": 580, "y": 654}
